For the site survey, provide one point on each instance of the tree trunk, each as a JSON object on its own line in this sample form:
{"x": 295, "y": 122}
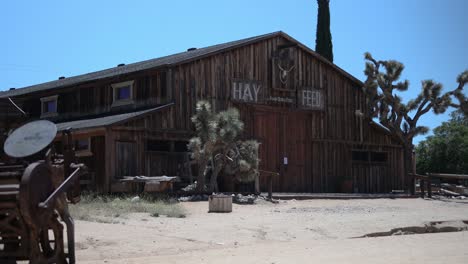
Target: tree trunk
{"x": 214, "y": 177}
{"x": 408, "y": 162}
{"x": 201, "y": 175}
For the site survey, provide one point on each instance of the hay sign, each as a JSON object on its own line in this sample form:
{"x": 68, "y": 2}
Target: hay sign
{"x": 246, "y": 91}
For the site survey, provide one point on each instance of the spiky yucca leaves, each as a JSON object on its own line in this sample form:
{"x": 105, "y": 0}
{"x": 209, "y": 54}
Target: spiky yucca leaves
{"x": 202, "y": 146}
{"x": 249, "y": 163}
{"x": 400, "y": 118}
{"x": 229, "y": 125}
{"x": 215, "y": 147}
{"x": 462, "y": 79}
{"x": 205, "y": 122}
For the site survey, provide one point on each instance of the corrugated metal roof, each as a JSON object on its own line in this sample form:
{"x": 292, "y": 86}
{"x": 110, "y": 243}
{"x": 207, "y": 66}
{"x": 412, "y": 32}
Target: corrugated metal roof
{"x": 105, "y": 121}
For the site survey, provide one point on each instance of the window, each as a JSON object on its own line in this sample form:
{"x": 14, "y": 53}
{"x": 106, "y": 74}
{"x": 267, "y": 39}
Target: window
{"x": 378, "y": 156}
{"x": 180, "y": 146}
{"x": 360, "y": 155}
{"x": 49, "y": 106}
{"x": 158, "y": 145}
{"x": 122, "y": 93}
{"x": 369, "y": 156}
{"x": 83, "y": 147}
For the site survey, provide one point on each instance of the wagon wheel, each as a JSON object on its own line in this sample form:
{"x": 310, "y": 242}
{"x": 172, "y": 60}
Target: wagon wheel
{"x": 10, "y": 247}
{"x": 52, "y": 248}
{"x": 36, "y": 185}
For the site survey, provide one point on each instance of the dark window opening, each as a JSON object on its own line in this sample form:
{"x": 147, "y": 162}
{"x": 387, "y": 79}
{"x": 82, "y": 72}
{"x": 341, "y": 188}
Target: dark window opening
{"x": 180, "y": 146}
{"x": 82, "y": 144}
{"x": 49, "y": 106}
{"x": 158, "y": 145}
{"x": 378, "y": 156}
{"x": 163, "y": 84}
{"x": 360, "y": 155}
{"x": 58, "y": 147}
{"x": 123, "y": 93}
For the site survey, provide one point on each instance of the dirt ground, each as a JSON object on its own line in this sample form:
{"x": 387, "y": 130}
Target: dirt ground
{"x": 311, "y": 231}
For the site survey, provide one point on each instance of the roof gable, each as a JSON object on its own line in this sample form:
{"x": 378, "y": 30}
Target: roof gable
{"x": 165, "y": 61}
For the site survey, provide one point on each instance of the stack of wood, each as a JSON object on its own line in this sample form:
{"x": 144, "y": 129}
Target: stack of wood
{"x": 453, "y": 189}
{"x": 153, "y": 184}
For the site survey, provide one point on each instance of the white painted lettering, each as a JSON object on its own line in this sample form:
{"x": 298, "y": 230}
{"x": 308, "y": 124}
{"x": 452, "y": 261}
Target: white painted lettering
{"x": 256, "y": 89}
{"x": 236, "y": 91}
{"x": 247, "y": 93}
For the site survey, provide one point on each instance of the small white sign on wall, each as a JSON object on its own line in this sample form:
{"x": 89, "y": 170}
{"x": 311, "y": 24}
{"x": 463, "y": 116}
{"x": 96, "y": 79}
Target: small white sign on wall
{"x": 285, "y": 160}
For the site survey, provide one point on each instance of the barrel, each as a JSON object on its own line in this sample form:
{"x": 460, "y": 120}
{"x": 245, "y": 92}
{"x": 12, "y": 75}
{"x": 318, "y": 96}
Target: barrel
{"x": 220, "y": 203}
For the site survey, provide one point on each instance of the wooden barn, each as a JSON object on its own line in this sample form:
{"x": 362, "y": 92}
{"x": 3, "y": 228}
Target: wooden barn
{"x": 309, "y": 115}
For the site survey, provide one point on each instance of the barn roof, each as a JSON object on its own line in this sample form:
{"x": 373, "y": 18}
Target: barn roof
{"x": 165, "y": 61}
{"x": 107, "y": 120}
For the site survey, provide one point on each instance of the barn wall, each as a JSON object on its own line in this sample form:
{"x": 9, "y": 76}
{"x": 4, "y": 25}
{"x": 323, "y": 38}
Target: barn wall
{"x": 322, "y": 154}
{"x": 318, "y": 143}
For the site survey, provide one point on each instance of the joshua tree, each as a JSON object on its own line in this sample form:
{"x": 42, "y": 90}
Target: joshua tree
{"x": 323, "y": 39}
{"x": 394, "y": 114}
{"x": 216, "y": 146}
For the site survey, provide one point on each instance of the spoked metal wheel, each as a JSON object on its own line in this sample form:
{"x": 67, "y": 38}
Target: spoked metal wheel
{"x": 51, "y": 242}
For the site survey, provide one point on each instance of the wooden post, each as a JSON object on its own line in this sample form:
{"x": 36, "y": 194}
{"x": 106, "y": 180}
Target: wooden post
{"x": 270, "y": 187}
{"x": 257, "y": 184}
{"x": 429, "y": 187}
{"x": 421, "y": 186}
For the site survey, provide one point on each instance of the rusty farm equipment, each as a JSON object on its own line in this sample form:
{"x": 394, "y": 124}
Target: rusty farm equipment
{"x": 36, "y": 185}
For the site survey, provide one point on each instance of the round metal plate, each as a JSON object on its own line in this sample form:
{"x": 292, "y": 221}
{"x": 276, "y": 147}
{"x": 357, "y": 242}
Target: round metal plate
{"x": 30, "y": 138}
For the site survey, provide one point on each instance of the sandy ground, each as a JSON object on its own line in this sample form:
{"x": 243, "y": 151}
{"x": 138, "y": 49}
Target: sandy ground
{"x": 289, "y": 232}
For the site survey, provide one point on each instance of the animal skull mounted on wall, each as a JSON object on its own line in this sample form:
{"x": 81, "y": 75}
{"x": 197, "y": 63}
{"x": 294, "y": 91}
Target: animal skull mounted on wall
{"x": 284, "y": 73}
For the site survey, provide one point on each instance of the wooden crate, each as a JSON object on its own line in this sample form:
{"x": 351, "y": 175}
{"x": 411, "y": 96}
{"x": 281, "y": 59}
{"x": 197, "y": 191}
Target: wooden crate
{"x": 220, "y": 204}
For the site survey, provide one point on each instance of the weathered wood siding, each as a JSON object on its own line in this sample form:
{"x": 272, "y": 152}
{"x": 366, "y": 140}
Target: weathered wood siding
{"x": 317, "y": 144}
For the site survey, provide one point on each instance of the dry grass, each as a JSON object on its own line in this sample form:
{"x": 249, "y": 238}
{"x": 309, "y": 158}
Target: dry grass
{"x": 114, "y": 209}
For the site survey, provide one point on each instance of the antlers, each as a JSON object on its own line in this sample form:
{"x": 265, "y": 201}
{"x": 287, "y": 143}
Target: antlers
{"x": 284, "y": 73}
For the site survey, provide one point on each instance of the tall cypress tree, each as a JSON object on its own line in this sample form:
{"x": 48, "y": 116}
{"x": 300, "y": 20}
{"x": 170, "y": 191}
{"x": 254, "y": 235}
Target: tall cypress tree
{"x": 323, "y": 41}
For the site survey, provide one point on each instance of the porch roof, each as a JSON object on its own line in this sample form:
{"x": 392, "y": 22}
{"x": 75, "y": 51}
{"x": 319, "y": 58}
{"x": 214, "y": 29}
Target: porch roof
{"x": 106, "y": 120}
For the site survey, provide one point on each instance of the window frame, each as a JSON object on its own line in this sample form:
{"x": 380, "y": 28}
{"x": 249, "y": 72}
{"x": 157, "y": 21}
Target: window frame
{"x": 369, "y": 154}
{"x": 373, "y": 153}
{"x": 83, "y": 152}
{"x": 366, "y": 152}
{"x": 120, "y": 102}
{"x": 45, "y": 100}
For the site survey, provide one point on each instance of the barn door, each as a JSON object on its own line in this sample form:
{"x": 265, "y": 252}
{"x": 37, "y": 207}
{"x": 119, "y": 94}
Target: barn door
{"x": 283, "y": 149}
{"x": 296, "y": 149}
{"x": 126, "y": 159}
{"x": 369, "y": 178}
{"x": 267, "y": 133}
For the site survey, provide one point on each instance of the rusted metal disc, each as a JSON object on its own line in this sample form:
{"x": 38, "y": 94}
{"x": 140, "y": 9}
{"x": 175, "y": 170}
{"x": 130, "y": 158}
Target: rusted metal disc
{"x": 36, "y": 185}
{"x": 30, "y": 138}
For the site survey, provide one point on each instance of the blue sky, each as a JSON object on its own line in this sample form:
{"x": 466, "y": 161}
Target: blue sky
{"x": 42, "y": 40}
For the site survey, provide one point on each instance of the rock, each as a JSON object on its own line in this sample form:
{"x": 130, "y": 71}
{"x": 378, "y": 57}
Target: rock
{"x": 135, "y": 199}
{"x": 241, "y": 199}
{"x": 185, "y": 198}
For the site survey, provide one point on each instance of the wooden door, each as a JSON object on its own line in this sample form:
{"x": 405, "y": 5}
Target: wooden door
{"x": 267, "y": 133}
{"x": 284, "y": 149}
{"x": 126, "y": 153}
{"x": 370, "y": 178}
{"x": 296, "y": 151}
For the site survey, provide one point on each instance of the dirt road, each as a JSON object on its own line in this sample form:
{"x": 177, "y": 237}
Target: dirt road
{"x": 288, "y": 232}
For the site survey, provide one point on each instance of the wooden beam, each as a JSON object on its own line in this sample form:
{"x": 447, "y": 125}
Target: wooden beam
{"x": 448, "y": 176}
